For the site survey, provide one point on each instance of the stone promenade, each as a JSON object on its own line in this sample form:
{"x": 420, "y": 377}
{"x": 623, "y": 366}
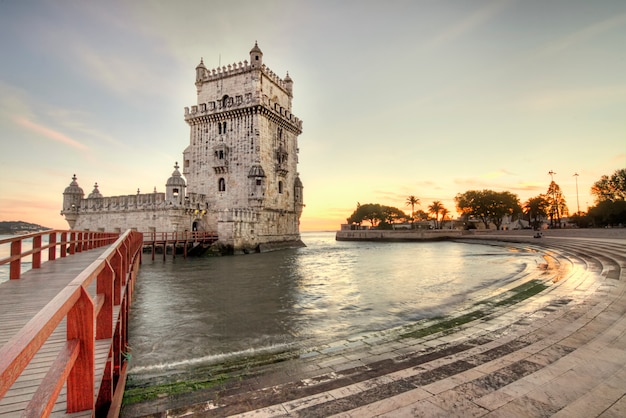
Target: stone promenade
{"x": 551, "y": 344}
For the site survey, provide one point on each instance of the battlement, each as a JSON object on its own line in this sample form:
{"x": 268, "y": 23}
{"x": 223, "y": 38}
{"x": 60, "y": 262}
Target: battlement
{"x": 241, "y": 102}
{"x": 204, "y": 75}
{"x": 146, "y": 201}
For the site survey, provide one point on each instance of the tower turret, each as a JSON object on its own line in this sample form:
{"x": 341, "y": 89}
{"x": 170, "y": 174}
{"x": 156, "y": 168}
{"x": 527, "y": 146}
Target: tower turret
{"x": 201, "y": 71}
{"x": 72, "y": 197}
{"x": 175, "y": 187}
{"x": 289, "y": 84}
{"x": 256, "y": 56}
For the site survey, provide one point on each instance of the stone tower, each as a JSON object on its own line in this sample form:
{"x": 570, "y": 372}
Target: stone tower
{"x": 243, "y": 154}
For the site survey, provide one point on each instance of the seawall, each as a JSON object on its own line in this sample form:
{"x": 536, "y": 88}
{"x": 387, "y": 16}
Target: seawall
{"x": 447, "y": 234}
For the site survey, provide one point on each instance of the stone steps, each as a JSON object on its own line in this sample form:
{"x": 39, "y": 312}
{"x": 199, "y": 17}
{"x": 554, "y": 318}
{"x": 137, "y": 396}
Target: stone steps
{"x": 561, "y": 351}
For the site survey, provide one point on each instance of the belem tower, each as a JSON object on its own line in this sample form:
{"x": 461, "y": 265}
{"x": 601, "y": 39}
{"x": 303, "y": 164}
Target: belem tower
{"x": 239, "y": 172}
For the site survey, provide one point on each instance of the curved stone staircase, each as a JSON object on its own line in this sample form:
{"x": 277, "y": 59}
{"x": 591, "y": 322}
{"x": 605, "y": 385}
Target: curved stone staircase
{"x": 551, "y": 346}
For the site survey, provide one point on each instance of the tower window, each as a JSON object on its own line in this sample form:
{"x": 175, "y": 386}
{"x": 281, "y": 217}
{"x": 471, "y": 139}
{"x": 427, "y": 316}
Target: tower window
{"x": 280, "y": 187}
{"x": 258, "y": 182}
{"x": 221, "y": 185}
{"x": 224, "y": 127}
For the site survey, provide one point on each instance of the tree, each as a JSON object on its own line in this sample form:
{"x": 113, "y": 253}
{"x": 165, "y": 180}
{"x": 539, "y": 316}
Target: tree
{"x": 612, "y": 188}
{"x": 608, "y": 213}
{"x": 537, "y": 209}
{"x": 556, "y": 204}
{"x": 610, "y": 196}
{"x": 375, "y": 214}
{"x": 434, "y": 209}
{"x": 488, "y": 206}
{"x": 412, "y": 201}
{"x": 444, "y": 212}
{"x": 420, "y": 215}
{"x": 392, "y": 215}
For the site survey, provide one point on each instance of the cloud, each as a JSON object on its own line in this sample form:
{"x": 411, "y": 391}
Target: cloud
{"x": 79, "y": 121}
{"x": 588, "y": 97}
{"x": 15, "y": 101}
{"x": 496, "y": 174}
{"x": 469, "y": 23}
{"x": 48, "y": 132}
{"x": 580, "y": 36}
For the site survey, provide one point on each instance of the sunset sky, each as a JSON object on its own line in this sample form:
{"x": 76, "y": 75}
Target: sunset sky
{"x": 398, "y": 98}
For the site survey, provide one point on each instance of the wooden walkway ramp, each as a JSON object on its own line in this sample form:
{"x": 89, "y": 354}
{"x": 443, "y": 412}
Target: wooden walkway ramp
{"x": 63, "y": 329}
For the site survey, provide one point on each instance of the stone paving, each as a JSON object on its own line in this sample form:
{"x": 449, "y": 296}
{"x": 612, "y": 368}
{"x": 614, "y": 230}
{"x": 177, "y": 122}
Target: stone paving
{"x": 559, "y": 352}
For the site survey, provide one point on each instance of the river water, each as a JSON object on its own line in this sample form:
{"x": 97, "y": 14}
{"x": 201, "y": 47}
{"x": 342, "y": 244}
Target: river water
{"x": 194, "y": 311}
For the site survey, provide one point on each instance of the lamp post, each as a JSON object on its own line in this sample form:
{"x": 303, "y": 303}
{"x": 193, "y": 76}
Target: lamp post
{"x": 577, "y": 203}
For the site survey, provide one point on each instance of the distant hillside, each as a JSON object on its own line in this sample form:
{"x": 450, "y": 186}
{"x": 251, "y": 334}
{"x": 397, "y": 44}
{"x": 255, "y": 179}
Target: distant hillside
{"x": 19, "y": 227}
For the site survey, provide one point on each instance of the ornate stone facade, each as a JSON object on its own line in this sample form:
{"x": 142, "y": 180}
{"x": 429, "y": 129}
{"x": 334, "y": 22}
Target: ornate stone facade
{"x": 240, "y": 167}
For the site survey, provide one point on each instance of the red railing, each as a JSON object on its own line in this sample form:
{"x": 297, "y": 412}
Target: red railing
{"x": 88, "y": 320}
{"x": 66, "y": 242}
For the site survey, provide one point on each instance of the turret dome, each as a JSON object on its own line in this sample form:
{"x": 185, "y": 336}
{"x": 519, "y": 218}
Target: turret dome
{"x": 256, "y": 49}
{"x": 95, "y": 193}
{"x": 176, "y": 179}
{"x": 74, "y": 188}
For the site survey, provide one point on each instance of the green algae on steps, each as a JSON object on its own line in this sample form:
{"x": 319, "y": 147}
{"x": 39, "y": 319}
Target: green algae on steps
{"x": 202, "y": 377}
{"x": 448, "y": 325}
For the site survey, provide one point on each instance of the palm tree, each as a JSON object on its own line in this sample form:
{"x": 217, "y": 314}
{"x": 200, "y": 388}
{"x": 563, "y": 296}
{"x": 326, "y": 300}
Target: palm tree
{"x": 435, "y": 208}
{"x": 444, "y": 212}
{"x": 412, "y": 201}
{"x": 536, "y": 208}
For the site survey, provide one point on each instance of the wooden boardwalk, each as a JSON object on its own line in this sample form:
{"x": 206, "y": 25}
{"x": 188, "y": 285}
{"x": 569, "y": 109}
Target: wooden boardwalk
{"x": 177, "y": 241}
{"x": 42, "y": 302}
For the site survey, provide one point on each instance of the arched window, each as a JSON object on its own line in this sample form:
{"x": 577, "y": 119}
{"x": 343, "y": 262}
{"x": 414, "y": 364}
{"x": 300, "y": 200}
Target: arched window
{"x": 224, "y": 127}
{"x": 219, "y": 127}
{"x": 221, "y": 185}
{"x": 280, "y": 187}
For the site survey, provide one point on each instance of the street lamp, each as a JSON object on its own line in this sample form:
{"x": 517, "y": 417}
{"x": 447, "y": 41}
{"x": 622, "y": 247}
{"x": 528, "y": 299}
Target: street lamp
{"x": 552, "y": 174}
{"x": 577, "y": 204}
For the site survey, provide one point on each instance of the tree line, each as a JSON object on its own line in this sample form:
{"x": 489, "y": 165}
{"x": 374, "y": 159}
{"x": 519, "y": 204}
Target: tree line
{"x": 493, "y": 208}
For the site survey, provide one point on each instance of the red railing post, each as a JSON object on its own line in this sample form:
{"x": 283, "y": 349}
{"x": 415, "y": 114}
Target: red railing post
{"x": 72, "y": 243}
{"x": 104, "y": 287}
{"x": 52, "y": 251}
{"x": 37, "y": 252}
{"x": 80, "y": 382}
{"x": 116, "y": 265}
{"x": 63, "y": 244}
{"x": 16, "y": 265}
{"x": 80, "y": 241}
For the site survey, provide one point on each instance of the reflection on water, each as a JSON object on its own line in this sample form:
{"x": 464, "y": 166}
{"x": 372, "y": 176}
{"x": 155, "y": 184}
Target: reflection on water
{"x": 189, "y": 311}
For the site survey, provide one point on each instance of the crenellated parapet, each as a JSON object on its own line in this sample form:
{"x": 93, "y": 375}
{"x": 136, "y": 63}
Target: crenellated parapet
{"x": 204, "y": 75}
{"x": 141, "y": 202}
{"x": 244, "y": 104}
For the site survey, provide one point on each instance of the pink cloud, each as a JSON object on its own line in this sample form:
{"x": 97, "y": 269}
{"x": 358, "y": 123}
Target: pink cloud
{"x": 48, "y": 133}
